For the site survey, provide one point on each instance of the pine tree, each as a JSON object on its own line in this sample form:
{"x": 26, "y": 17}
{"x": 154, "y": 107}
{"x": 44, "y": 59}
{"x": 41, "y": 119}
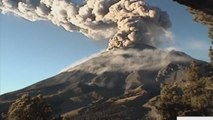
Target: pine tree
{"x": 27, "y": 108}
{"x": 193, "y": 72}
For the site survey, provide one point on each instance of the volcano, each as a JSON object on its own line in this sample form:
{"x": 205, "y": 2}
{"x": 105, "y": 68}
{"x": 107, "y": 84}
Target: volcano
{"x": 118, "y": 80}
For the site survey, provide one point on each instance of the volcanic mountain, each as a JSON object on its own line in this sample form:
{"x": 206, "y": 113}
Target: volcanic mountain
{"x": 119, "y": 79}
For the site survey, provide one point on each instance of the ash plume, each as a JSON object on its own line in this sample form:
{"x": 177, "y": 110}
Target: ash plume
{"x": 123, "y": 22}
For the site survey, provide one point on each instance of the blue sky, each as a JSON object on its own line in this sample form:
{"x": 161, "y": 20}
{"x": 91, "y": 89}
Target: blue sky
{"x": 33, "y": 51}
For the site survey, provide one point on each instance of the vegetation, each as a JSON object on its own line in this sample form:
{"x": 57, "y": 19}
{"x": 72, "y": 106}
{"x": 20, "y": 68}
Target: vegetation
{"x": 28, "y": 108}
{"x": 211, "y": 55}
{"x": 194, "y": 97}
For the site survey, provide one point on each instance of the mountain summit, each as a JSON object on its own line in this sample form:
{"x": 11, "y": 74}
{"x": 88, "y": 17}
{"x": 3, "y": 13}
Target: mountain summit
{"x": 119, "y": 76}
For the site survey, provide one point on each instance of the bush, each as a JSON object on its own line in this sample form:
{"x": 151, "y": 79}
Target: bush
{"x": 27, "y": 108}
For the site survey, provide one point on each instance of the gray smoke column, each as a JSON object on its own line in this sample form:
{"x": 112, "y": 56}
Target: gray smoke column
{"x": 123, "y": 22}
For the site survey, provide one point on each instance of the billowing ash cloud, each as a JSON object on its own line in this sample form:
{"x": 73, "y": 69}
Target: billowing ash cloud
{"x": 124, "y": 22}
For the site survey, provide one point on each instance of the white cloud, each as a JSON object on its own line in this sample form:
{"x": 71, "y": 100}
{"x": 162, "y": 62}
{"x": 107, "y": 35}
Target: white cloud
{"x": 173, "y": 48}
{"x": 198, "y": 45}
{"x": 127, "y": 60}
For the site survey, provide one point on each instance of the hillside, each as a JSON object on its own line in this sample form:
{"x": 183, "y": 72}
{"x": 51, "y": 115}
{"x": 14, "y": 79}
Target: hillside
{"x": 120, "y": 78}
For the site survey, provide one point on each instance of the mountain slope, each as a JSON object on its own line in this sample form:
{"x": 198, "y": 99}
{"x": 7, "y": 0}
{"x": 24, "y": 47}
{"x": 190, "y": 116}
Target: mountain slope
{"x": 121, "y": 76}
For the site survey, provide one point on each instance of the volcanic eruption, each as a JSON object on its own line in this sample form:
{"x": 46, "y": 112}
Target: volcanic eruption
{"x": 124, "y": 23}
{"x": 117, "y": 82}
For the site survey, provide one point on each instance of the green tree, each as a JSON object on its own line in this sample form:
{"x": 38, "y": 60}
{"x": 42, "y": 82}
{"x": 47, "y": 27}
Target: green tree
{"x": 191, "y": 98}
{"x": 28, "y": 108}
